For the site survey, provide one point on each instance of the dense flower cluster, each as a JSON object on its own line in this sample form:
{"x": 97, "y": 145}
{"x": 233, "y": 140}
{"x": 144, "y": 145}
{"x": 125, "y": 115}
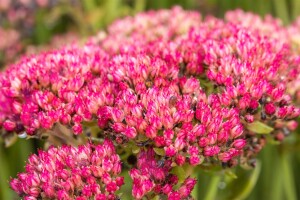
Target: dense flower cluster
{"x": 84, "y": 172}
{"x": 273, "y": 28}
{"x": 193, "y": 90}
{"x": 153, "y": 176}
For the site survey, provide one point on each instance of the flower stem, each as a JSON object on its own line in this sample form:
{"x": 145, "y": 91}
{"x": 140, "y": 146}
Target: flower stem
{"x": 289, "y": 183}
{"x": 212, "y": 188}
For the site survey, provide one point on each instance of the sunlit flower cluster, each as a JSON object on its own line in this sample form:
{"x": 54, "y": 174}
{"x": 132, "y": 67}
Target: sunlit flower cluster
{"x": 196, "y": 90}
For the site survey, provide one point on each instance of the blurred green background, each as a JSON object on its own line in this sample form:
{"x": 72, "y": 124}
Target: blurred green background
{"x": 45, "y": 24}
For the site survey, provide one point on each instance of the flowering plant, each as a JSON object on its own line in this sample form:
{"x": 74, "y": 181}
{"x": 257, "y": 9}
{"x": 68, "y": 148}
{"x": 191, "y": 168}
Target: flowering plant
{"x": 162, "y": 91}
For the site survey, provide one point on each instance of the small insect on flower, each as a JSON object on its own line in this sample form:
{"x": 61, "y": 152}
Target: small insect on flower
{"x": 149, "y": 83}
{"x": 263, "y": 115}
{"x": 161, "y": 162}
{"x": 172, "y": 101}
{"x": 143, "y": 143}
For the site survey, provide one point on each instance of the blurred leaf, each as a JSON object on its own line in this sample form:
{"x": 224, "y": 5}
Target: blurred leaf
{"x": 180, "y": 172}
{"x": 159, "y": 151}
{"x": 230, "y": 174}
{"x": 259, "y": 127}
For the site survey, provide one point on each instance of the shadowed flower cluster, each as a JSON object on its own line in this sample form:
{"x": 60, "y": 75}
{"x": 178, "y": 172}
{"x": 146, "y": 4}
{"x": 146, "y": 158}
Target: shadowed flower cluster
{"x": 84, "y": 172}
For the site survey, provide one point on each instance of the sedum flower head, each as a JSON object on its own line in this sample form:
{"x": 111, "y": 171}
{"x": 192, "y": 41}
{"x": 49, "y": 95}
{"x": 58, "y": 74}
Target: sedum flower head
{"x": 195, "y": 91}
{"x": 83, "y": 172}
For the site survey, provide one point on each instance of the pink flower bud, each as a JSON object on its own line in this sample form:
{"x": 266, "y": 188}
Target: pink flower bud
{"x": 223, "y": 136}
{"x": 170, "y": 151}
{"x": 77, "y": 129}
{"x": 159, "y": 141}
{"x": 179, "y": 144}
{"x": 249, "y": 118}
{"x": 203, "y": 142}
{"x": 239, "y": 143}
{"x": 253, "y": 104}
{"x": 292, "y": 125}
{"x": 236, "y": 131}
{"x": 9, "y": 125}
{"x": 194, "y": 160}
{"x": 224, "y": 157}
{"x": 130, "y": 132}
{"x": 211, "y": 150}
{"x": 179, "y": 159}
{"x": 270, "y": 108}
{"x": 111, "y": 187}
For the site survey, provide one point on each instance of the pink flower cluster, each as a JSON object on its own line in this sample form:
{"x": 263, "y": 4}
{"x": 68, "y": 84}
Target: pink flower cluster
{"x": 273, "y": 28}
{"x": 190, "y": 89}
{"x": 64, "y": 86}
{"x": 84, "y": 172}
{"x": 153, "y": 175}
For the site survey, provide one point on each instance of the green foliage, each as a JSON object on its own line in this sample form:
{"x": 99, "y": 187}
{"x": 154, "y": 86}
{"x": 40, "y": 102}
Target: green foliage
{"x": 13, "y": 161}
{"x": 259, "y": 127}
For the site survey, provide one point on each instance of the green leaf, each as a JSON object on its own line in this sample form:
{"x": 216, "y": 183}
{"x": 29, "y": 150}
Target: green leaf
{"x": 259, "y": 127}
{"x": 230, "y": 174}
{"x": 159, "y": 151}
{"x": 180, "y": 172}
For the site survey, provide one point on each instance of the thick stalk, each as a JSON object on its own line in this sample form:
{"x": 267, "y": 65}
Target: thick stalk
{"x": 212, "y": 189}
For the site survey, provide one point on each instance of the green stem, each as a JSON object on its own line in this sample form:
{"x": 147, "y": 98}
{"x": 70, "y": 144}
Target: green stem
{"x": 5, "y": 193}
{"x": 288, "y": 180}
{"x": 276, "y": 185}
{"x": 212, "y": 188}
{"x": 251, "y": 182}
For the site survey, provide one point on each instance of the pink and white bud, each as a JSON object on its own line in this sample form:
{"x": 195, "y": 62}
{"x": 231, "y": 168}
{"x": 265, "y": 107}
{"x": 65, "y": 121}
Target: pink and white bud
{"x": 239, "y": 143}
{"x": 130, "y": 132}
{"x": 211, "y": 150}
{"x": 179, "y": 159}
{"x": 170, "y": 151}
{"x": 237, "y": 131}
